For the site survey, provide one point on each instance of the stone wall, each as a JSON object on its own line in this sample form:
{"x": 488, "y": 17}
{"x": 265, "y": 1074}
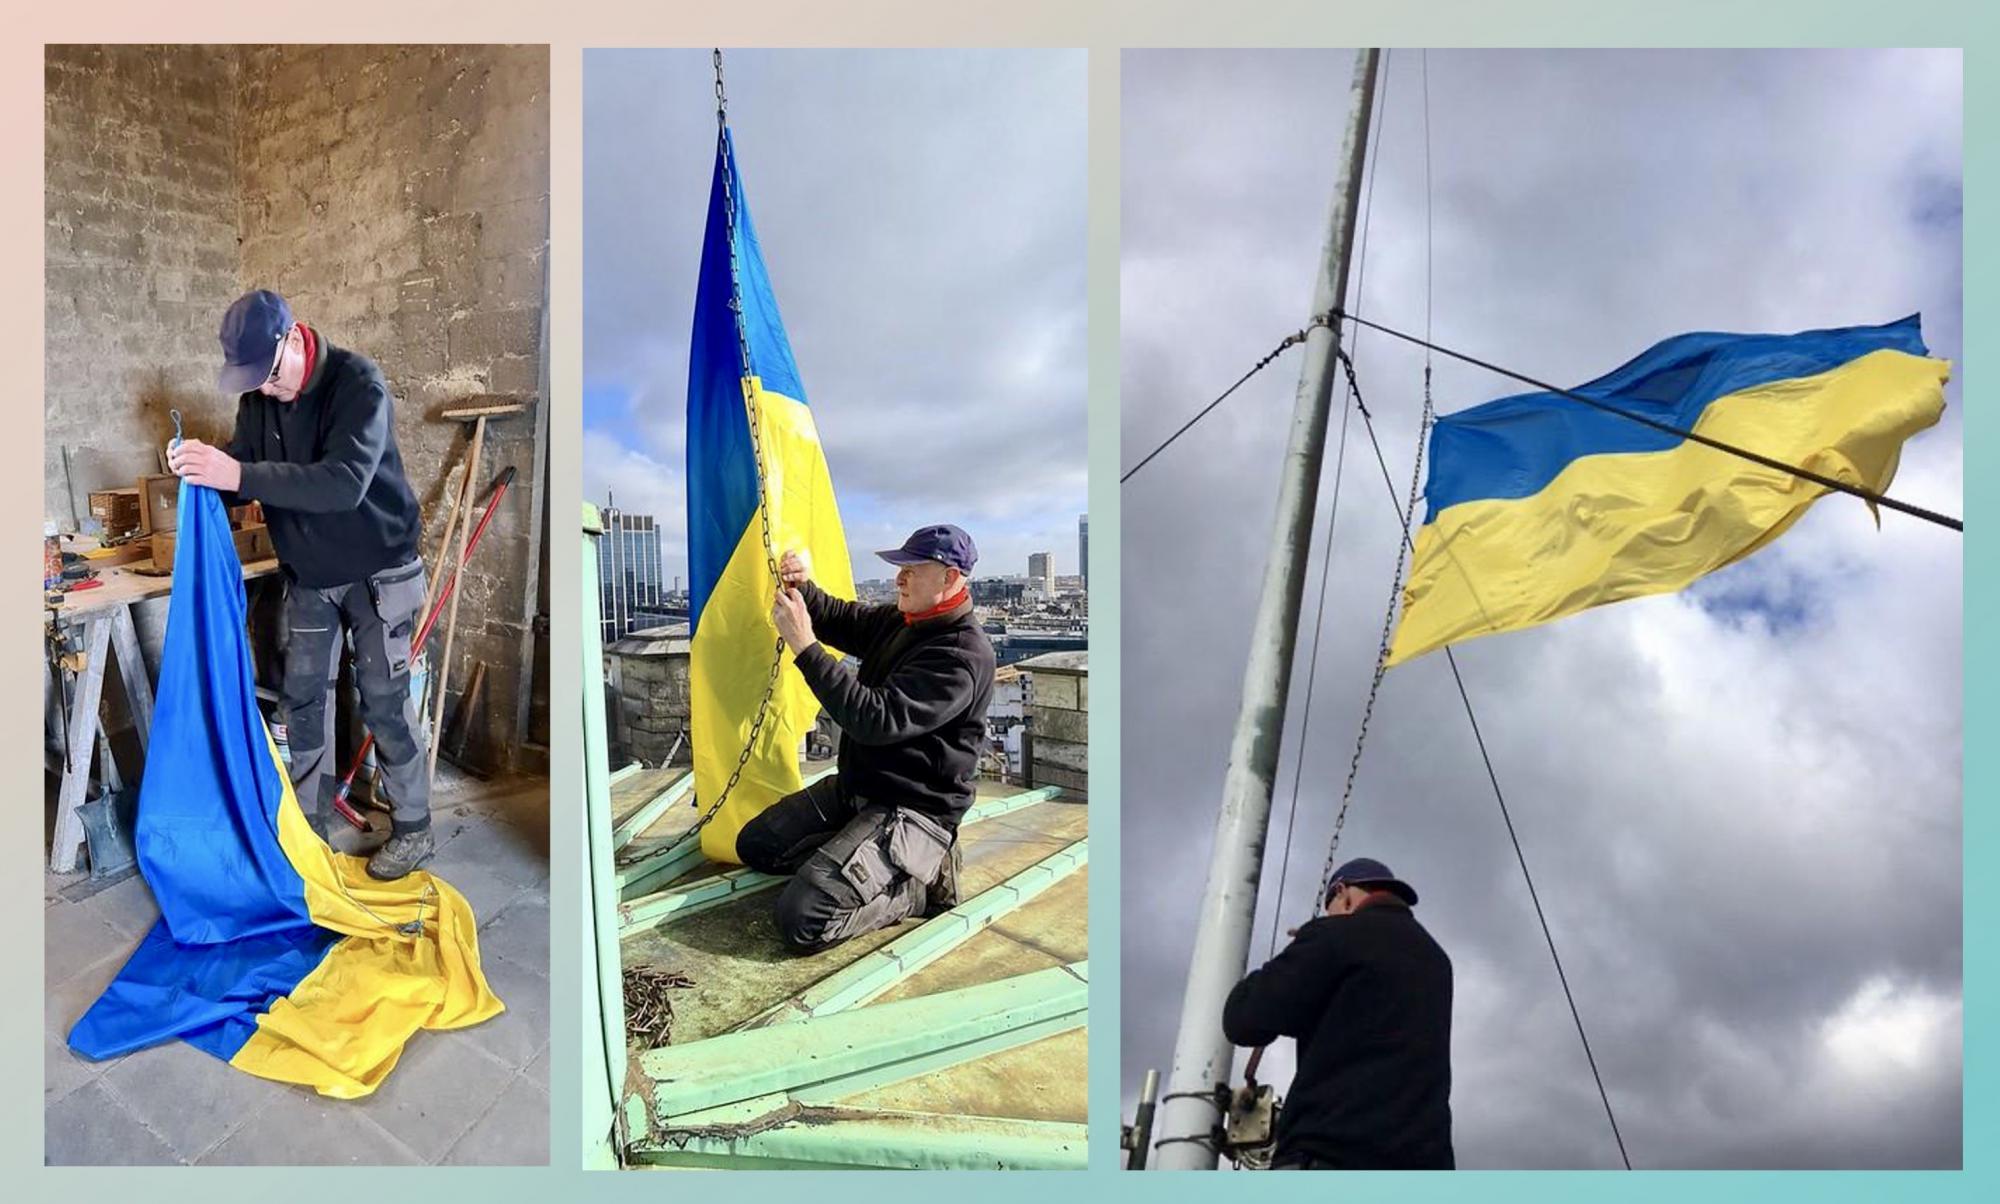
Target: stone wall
{"x": 139, "y": 243}
{"x": 396, "y": 195}
{"x": 652, "y": 708}
{"x": 1058, "y": 737}
{"x": 140, "y": 204}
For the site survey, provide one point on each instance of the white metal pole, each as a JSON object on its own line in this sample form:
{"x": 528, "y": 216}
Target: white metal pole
{"x": 1202, "y": 1056}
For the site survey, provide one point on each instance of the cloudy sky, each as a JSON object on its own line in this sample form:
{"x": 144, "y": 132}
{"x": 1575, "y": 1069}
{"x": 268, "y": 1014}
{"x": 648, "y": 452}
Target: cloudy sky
{"x": 1741, "y": 803}
{"x": 922, "y": 217}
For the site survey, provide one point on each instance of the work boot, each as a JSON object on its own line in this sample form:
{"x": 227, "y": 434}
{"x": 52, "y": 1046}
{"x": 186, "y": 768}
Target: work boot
{"x": 322, "y": 824}
{"x": 942, "y": 894}
{"x": 404, "y": 853}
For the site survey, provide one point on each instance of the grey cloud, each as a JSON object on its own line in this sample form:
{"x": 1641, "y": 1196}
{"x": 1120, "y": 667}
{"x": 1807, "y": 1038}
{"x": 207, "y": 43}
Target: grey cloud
{"x": 1739, "y": 828}
{"x": 922, "y": 215}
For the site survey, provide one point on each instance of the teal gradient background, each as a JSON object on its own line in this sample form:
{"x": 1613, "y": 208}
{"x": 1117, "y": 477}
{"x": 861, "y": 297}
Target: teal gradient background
{"x": 1103, "y": 27}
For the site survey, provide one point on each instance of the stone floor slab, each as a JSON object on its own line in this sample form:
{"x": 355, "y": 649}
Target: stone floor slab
{"x": 521, "y": 802}
{"x": 127, "y": 906}
{"x": 65, "y": 1002}
{"x": 193, "y": 1101}
{"x": 63, "y": 1071}
{"x": 486, "y": 891}
{"x": 520, "y": 933}
{"x": 516, "y": 1035}
{"x": 444, "y": 1085}
{"x": 89, "y": 1127}
{"x": 73, "y": 938}
{"x": 501, "y": 848}
{"x": 515, "y": 1132}
{"x": 295, "y": 1127}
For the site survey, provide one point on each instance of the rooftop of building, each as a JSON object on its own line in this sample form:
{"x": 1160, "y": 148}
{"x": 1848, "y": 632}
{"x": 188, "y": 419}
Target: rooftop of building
{"x": 1057, "y": 662}
{"x": 668, "y": 640}
{"x": 953, "y": 1041}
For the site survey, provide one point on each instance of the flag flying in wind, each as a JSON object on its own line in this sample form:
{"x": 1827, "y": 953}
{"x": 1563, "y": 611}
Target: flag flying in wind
{"x": 1541, "y": 506}
{"x": 272, "y": 951}
{"x": 757, "y": 488}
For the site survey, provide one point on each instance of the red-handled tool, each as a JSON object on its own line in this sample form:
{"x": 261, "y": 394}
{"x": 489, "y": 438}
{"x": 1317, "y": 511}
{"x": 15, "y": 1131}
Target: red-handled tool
{"x": 340, "y": 797}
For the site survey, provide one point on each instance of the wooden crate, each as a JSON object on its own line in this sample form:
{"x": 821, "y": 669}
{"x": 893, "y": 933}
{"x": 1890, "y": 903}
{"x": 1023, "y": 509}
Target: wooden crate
{"x": 160, "y": 499}
{"x": 253, "y": 543}
{"x": 135, "y": 550}
{"x": 118, "y": 510}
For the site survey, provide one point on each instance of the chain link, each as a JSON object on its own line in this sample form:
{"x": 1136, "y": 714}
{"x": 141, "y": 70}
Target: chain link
{"x": 410, "y": 928}
{"x": 756, "y": 443}
{"x": 1388, "y": 620}
{"x": 1319, "y": 321}
{"x": 721, "y": 99}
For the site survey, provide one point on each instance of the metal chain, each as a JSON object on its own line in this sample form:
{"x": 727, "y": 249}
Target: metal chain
{"x": 721, "y": 98}
{"x": 1292, "y": 340}
{"x": 1388, "y": 620}
{"x": 756, "y": 444}
{"x": 411, "y": 928}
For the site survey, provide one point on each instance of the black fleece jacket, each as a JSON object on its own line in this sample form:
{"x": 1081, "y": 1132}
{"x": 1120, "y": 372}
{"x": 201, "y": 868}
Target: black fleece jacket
{"x": 912, "y": 716}
{"x": 1368, "y": 997}
{"x": 327, "y": 469}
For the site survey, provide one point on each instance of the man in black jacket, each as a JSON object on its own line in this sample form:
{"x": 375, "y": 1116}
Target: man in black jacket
{"x": 1367, "y": 994}
{"x": 876, "y": 842}
{"x": 315, "y": 443}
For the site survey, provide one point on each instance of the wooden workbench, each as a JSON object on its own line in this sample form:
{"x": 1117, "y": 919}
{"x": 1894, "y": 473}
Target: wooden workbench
{"x": 104, "y": 614}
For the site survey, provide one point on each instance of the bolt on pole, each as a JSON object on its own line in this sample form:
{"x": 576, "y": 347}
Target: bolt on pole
{"x": 1202, "y": 1056}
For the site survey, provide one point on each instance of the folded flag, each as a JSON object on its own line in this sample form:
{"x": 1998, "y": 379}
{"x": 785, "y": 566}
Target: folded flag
{"x": 272, "y": 951}
{"x": 1540, "y": 506}
{"x": 757, "y": 488}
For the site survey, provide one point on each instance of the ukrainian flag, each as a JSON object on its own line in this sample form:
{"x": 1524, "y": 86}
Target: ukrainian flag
{"x": 1541, "y": 506}
{"x": 729, "y": 472}
{"x": 272, "y": 952}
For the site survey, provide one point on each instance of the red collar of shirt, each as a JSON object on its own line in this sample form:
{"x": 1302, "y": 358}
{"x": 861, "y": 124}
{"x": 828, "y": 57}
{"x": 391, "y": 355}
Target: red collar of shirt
{"x": 311, "y": 352}
{"x": 945, "y": 607}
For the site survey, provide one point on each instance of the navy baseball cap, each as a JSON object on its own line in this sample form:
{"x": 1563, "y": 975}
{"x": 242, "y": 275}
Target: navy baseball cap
{"x": 1366, "y": 871}
{"x": 251, "y": 331}
{"x": 943, "y": 544}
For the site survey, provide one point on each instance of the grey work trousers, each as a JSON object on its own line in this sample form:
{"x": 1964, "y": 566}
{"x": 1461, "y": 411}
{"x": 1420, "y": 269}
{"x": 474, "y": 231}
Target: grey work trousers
{"x": 383, "y": 613}
{"x": 856, "y": 866}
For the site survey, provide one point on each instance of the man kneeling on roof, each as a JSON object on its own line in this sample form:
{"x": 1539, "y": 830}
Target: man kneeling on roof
{"x": 876, "y": 842}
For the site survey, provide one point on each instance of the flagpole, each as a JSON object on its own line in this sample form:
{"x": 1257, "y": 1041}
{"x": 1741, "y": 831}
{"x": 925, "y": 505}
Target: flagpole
{"x": 1190, "y": 1109}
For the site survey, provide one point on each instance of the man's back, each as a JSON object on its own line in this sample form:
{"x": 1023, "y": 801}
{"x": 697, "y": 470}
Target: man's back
{"x": 329, "y": 472}
{"x": 1368, "y": 998}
